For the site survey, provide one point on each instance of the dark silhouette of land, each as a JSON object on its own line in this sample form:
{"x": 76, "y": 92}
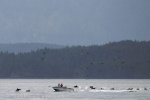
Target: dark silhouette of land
{"x": 26, "y": 47}
{"x": 124, "y": 59}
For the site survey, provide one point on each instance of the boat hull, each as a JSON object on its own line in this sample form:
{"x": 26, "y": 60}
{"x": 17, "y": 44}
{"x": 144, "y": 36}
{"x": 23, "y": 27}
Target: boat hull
{"x": 63, "y": 89}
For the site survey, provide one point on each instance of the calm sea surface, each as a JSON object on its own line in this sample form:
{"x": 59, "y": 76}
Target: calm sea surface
{"x": 41, "y": 89}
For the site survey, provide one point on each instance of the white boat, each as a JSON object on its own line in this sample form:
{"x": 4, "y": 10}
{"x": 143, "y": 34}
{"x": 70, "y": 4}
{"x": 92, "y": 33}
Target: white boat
{"x": 61, "y": 88}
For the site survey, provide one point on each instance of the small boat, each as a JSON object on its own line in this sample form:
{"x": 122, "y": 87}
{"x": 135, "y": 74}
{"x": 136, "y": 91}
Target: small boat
{"x": 61, "y": 88}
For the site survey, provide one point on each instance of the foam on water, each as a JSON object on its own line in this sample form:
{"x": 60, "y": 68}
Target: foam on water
{"x": 110, "y": 91}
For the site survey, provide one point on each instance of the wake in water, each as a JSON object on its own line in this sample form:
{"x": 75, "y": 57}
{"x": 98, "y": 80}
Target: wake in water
{"x": 83, "y": 90}
{"x": 94, "y": 89}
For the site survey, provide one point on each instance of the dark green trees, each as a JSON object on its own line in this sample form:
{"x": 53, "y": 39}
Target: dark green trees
{"x": 125, "y": 59}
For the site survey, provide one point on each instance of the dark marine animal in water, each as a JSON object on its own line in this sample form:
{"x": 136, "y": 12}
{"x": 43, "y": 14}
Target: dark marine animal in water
{"x": 17, "y": 90}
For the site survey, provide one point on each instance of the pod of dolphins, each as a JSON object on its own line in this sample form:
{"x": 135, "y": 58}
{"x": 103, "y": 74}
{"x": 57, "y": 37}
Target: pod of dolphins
{"x": 92, "y": 88}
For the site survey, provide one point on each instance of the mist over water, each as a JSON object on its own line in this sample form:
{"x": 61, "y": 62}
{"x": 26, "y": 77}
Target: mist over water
{"x": 41, "y": 89}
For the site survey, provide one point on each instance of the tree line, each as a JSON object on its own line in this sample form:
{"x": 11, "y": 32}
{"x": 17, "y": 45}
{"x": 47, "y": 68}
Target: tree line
{"x": 124, "y": 59}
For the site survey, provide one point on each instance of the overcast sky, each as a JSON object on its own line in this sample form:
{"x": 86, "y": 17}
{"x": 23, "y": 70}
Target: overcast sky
{"x": 74, "y": 22}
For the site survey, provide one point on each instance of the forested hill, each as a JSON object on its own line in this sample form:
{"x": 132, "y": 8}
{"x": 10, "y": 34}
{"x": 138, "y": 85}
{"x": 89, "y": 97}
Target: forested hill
{"x": 26, "y": 47}
{"x": 125, "y": 59}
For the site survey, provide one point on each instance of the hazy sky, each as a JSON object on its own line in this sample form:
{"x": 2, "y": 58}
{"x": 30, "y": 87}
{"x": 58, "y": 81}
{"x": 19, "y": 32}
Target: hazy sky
{"x": 74, "y": 22}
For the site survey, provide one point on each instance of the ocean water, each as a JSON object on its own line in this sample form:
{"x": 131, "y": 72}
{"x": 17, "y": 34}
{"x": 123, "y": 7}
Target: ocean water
{"x": 41, "y": 89}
